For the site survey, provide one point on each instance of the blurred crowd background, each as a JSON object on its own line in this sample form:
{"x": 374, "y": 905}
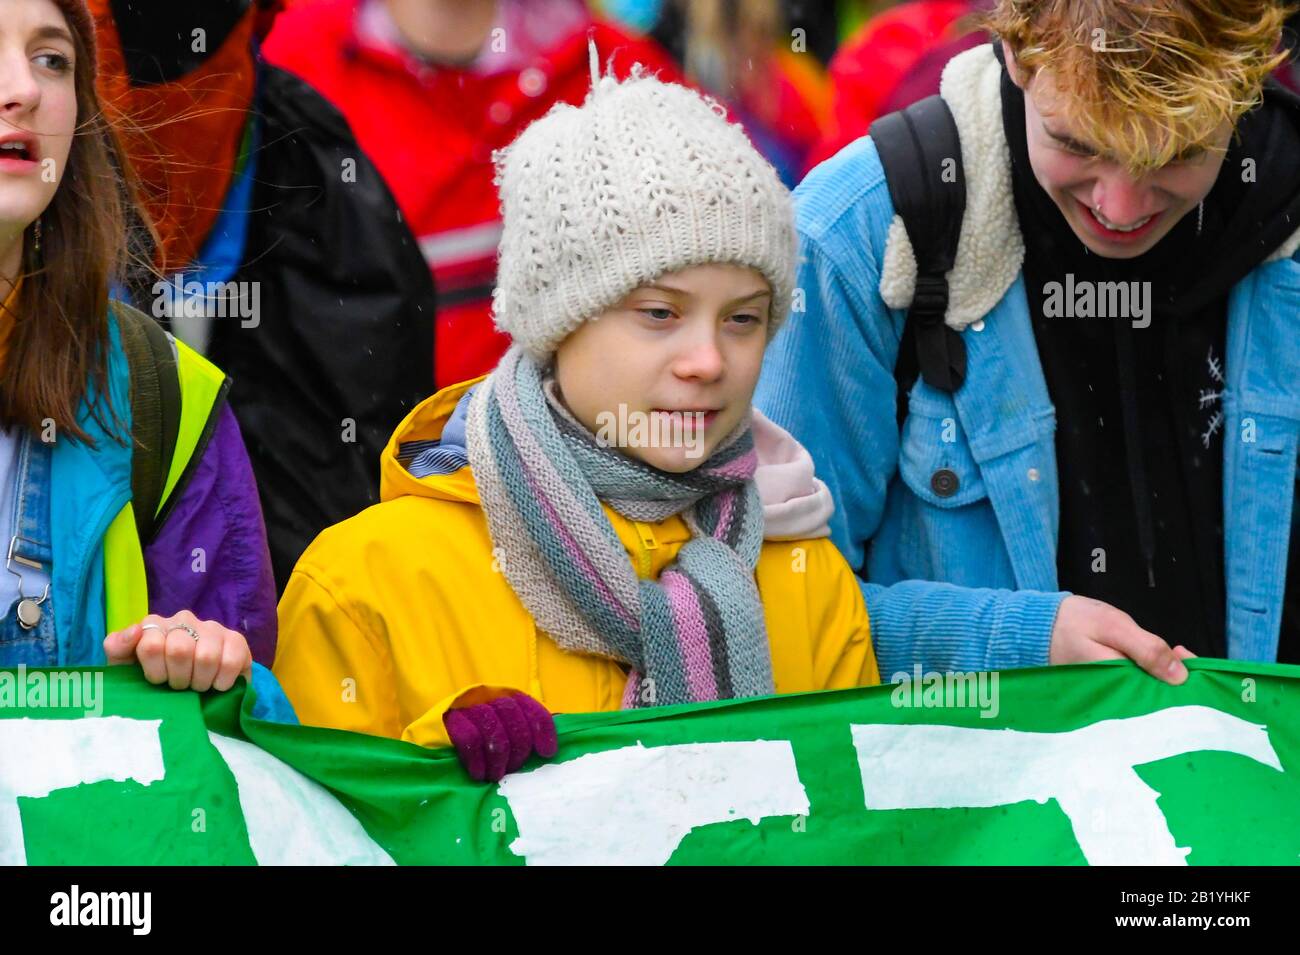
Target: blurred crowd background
{"x": 333, "y": 160}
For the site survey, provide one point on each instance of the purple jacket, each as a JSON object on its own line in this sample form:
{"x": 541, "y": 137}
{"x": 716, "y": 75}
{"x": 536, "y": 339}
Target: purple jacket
{"x": 210, "y": 556}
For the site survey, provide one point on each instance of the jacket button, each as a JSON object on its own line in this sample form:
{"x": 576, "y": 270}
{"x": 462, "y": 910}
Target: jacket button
{"x": 944, "y": 482}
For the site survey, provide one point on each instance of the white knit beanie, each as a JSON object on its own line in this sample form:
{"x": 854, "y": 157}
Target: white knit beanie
{"x": 644, "y": 178}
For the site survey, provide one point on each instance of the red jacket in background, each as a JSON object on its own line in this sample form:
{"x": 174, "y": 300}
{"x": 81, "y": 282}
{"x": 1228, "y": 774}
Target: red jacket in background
{"x": 866, "y": 70}
{"x": 431, "y": 132}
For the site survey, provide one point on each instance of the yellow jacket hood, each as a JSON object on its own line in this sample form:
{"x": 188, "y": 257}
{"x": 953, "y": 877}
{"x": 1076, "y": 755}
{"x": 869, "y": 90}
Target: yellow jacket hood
{"x": 425, "y": 423}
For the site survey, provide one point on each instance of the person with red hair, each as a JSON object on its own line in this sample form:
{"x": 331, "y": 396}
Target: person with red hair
{"x": 1066, "y": 430}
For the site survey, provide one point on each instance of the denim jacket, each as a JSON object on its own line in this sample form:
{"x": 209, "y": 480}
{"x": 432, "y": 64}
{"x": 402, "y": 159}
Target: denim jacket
{"x": 960, "y": 570}
{"x": 71, "y": 492}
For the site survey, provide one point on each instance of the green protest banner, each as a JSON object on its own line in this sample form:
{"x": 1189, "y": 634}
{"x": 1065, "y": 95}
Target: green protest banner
{"x": 1095, "y": 764}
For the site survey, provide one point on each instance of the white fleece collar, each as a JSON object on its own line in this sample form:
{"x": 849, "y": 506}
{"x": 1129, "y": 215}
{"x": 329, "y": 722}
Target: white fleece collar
{"x": 991, "y": 250}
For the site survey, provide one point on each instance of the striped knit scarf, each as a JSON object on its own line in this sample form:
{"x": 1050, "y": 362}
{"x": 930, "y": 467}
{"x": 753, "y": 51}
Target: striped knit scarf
{"x": 696, "y": 633}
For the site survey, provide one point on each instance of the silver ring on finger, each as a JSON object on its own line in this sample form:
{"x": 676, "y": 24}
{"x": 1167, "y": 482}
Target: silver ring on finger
{"x": 186, "y": 627}
{"x": 151, "y": 626}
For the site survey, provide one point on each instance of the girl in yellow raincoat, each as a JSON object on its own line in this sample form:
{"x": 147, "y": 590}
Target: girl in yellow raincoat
{"x": 582, "y": 530}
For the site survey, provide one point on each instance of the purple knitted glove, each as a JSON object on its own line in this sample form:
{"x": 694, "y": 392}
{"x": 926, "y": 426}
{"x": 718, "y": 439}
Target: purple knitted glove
{"x": 497, "y": 737}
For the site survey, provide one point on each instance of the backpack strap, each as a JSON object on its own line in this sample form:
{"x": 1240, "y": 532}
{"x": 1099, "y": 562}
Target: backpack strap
{"x": 920, "y": 150}
{"x": 155, "y": 412}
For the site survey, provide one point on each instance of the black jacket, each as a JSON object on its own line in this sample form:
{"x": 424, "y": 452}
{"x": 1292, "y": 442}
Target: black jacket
{"x": 344, "y": 346}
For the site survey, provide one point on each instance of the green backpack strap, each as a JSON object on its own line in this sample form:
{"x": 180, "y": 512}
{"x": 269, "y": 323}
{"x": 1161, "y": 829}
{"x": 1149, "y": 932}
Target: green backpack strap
{"x": 155, "y": 411}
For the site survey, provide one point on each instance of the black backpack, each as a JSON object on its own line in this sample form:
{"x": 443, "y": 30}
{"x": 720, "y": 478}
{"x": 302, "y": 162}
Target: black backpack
{"x": 917, "y": 145}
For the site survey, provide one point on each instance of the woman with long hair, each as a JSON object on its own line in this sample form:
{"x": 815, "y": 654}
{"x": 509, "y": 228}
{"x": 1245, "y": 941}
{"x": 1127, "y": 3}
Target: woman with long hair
{"x": 127, "y": 506}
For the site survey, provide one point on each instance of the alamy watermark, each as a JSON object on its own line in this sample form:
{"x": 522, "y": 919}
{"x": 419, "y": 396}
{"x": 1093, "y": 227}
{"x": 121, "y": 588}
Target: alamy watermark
{"x": 182, "y": 298}
{"x": 58, "y": 689}
{"x": 655, "y": 429}
{"x": 1071, "y": 299}
{"x": 952, "y": 690}
{"x": 76, "y": 907}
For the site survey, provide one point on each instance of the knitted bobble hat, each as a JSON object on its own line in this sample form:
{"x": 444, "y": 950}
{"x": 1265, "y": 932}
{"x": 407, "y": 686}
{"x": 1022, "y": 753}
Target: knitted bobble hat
{"x": 643, "y": 179}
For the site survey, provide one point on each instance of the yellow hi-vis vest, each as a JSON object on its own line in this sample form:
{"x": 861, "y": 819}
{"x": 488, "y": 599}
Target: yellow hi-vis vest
{"x": 126, "y": 592}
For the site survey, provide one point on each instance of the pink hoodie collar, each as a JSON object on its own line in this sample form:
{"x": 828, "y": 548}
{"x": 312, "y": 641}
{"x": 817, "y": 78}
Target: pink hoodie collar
{"x": 797, "y": 505}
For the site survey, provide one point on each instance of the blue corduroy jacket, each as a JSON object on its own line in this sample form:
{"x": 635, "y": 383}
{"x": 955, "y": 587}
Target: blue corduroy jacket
{"x": 968, "y": 580}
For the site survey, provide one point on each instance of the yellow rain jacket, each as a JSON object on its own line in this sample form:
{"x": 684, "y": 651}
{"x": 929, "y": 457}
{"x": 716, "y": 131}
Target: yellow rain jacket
{"x": 396, "y": 615}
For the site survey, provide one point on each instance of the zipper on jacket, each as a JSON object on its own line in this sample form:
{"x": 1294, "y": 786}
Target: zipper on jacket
{"x": 646, "y": 534}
